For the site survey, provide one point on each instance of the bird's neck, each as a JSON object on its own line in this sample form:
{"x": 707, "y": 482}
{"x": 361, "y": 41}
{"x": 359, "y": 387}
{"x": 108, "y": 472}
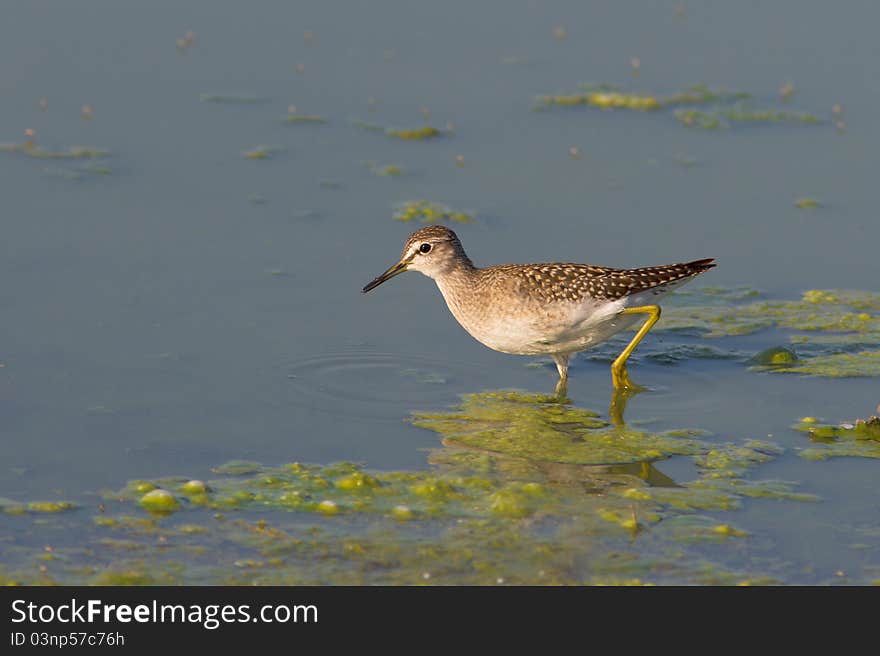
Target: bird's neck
{"x": 457, "y": 284}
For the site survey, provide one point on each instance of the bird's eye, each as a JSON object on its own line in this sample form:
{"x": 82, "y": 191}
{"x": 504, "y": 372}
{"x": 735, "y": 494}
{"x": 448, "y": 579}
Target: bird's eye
{"x": 425, "y": 248}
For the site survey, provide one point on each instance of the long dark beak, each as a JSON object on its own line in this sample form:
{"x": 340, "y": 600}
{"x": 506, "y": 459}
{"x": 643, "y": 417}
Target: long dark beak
{"x": 398, "y": 268}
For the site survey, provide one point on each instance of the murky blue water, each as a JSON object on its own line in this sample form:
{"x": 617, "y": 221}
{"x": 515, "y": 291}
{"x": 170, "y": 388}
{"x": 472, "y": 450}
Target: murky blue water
{"x": 196, "y": 306}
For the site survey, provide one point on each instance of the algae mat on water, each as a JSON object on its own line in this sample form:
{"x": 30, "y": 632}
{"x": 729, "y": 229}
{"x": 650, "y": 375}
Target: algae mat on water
{"x": 490, "y": 509}
{"x": 833, "y": 333}
{"x": 859, "y": 439}
{"x": 696, "y": 107}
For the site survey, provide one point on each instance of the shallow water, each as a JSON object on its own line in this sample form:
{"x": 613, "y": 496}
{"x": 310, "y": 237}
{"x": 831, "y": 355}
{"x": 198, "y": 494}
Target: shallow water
{"x": 189, "y": 306}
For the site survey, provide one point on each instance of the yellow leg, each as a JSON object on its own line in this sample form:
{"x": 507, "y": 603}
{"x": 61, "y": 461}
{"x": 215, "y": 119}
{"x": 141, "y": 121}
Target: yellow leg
{"x": 618, "y": 368}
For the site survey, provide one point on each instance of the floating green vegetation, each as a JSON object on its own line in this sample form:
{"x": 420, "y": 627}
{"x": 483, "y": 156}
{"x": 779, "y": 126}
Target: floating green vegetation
{"x": 528, "y": 434}
{"x": 11, "y": 507}
{"x": 607, "y": 97}
{"x": 774, "y": 356}
{"x": 261, "y": 152}
{"x": 427, "y": 212}
{"x": 508, "y": 499}
{"x": 368, "y": 126}
{"x": 415, "y": 134}
{"x": 78, "y": 173}
{"x": 726, "y": 117}
{"x": 238, "y": 468}
{"x": 424, "y": 133}
{"x": 862, "y": 364}
{"x": 194, "y": 486}
{"x": 159, "y": 501}
{"x": 807, "y": 203}
{"x": 602, "y": 99}
{"x": 703, "y": 95}
{"x": 698, "y": 106}
{"x": 49, "y": 506}
{"x": 31, "y": 149}
{"x": 834, "y": 333}
{"x": 385, "y": 170}
{"x": 232, "y": 99}
{"x": 860, "y": 439}
{"x": 536, "y": 429}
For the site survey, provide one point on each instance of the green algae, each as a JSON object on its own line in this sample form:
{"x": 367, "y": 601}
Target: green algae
{"x": 608, "y": 97}
{"x": 29, "y": 149}
{"x": 696, "y": 107}
{"x": 11, "y": 507}
{"x": 837, "y": 331}
{"x": 428, "y": 212}
{"x": 49, "y": 506}
{"x": 516, "y": 427}
{"x": 159, "y": 501}
{"x": 368, "y": 126}
{"x": 328, "y": 507}
{"x": 261, "y": 152}
{"x": 358, "y": 481}
{"x": 126, "y": 545}
{"x": 729, "y": 531}
{"x": 414, "y": 134}
{"x": 78, "y": 173}
{"x": 402, "y": 513}
{"x": 862, "y": 364}
{"x": 603, "y": 100}
{"x": 129, "y": 577}
{"x": 385, "y": 170}
{"x": 723, "y": 482}
{"x": 774, "y": 356}
{"x": 238, "y": 468}
{"x": 488, "y": 509}
{"x": 424, "y": 133}
{"x": 499, "y": 425}
{"x": 704, "y": 95}
{"x": 695, "y": 529}
{"x": 194, "y": 487}
{"x": 724, "y": 118}
{"x": 526, "y": 426}
{"x": 859, "y": 439}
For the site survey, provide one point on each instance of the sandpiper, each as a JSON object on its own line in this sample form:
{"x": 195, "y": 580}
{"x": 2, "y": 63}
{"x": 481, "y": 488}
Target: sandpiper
{"x": 554, "y": 309}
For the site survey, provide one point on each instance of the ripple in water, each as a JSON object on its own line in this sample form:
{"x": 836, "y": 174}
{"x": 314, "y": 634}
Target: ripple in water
{"x": 363, "y": 383}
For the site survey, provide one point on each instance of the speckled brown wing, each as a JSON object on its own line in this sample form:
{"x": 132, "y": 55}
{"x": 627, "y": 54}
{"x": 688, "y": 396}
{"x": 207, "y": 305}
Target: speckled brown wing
{"x": 618, "y": 283}
{"x": 574, "y": 282}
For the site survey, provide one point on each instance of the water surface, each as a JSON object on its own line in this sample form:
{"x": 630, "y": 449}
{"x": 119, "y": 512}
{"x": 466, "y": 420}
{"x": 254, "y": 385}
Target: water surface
{"x": 188, "y": 305}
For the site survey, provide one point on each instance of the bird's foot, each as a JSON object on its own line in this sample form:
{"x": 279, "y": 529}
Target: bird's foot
{"x": 624, "y": 390}
{"x": 622, "y": 381}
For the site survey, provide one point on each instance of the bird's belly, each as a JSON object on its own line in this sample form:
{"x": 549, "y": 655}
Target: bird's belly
{"x": 553, "y": 330}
